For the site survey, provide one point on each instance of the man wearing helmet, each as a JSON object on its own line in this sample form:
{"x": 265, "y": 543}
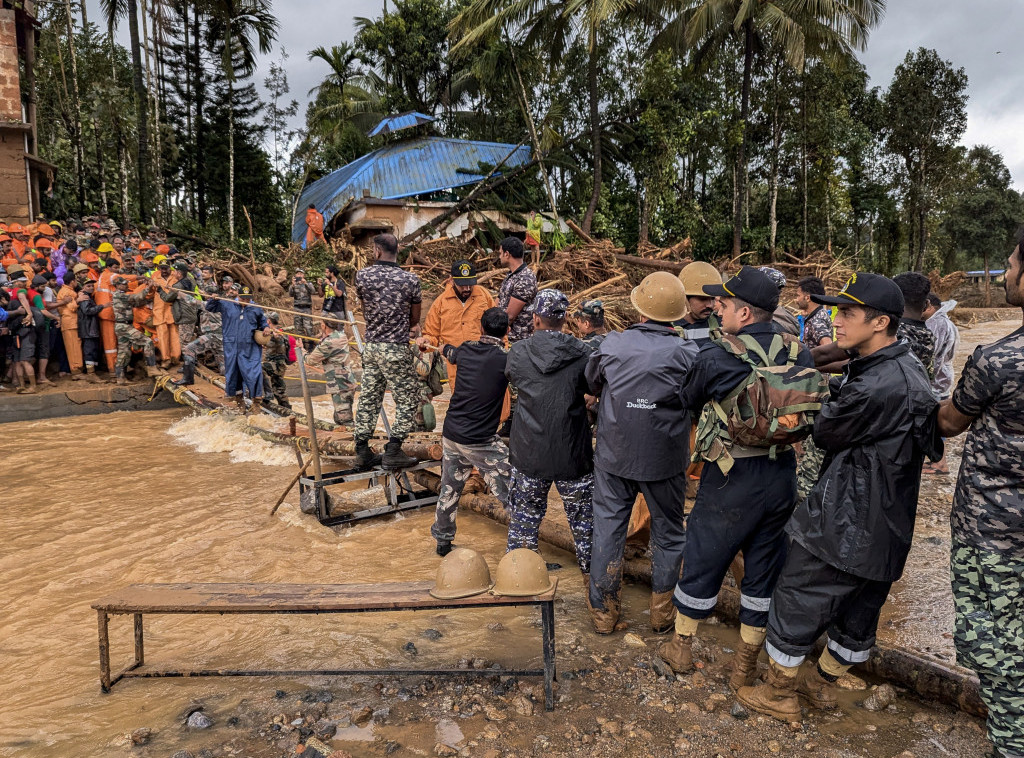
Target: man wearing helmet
{"x": 128, "y": 337}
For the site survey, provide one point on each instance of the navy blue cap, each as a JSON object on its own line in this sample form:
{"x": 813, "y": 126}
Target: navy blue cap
{"x": 749, "y": 285}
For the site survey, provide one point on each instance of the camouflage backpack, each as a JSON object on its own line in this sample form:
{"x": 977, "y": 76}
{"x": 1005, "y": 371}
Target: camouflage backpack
{"x": 775, "y": 406}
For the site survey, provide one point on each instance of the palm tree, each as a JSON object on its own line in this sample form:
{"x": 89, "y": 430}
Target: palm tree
{"x": 235, "y": 23}
{"x": 344, "y": 60}
{"x": 826, "y": 29}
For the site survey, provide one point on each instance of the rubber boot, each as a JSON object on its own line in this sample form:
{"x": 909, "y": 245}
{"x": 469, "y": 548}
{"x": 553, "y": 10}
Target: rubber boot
{"x": 775, "y": 697}
{"x": 152, "y": 371}
{"x": 91, "y": 376}
{"x": 607, "y": 619}
{"x": 120, "y": 376}
{"x": 188, "y": 375}
{"x": 663, "y": 613}
{"x": 744, "y": 666}
{"x": 394, "y": 458}
{"x": 678, "y": 653}
{"x": 443, "y": 548}
{"x": 257, "y": 405}
{"x": 365, "y": 457}
{"x": 816, "y": 690}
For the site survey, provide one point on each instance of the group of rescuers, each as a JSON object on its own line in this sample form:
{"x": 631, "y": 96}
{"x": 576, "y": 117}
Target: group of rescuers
{"x": 715, "y": 371}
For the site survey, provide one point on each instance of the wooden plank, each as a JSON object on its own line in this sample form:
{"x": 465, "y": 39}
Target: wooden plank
{"x": 292, "y": 598}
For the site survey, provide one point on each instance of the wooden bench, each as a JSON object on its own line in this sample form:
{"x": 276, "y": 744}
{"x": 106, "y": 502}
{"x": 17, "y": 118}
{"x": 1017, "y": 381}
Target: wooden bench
{"x": 140, "y": 599}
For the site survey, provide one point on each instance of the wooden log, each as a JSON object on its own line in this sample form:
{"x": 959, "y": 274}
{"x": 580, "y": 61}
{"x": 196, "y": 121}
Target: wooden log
{"x": 578, "y": 231}
{"x": 634, "y": 260}
{"x": 583, "y": 295}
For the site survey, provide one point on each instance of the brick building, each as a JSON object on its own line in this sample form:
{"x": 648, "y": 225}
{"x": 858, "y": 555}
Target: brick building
{"x": 23, "y": 176}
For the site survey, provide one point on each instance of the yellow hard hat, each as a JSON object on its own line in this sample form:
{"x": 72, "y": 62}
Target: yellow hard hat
{"x": 697, "y": 274}
{"x": 158, "y": 259}
{"x": 462, "y": 573}
{"x": 660, "y": 297}
{"x": 522, "y": 573}
{"x": 105, "y": 247}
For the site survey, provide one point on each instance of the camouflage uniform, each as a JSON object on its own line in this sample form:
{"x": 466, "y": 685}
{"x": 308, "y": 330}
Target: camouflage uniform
{"x": 212, "y": 338}
{"x": 302, "y": 300}
{"x": 189, "y": 307}
{"x": 332, "y": 353}
{"x": 528, "y": 502}
{"x": 987, "y": 521}
{"x": 490, "y": 459}
{"x": 128, "y": 337}
{"x": 388, "y": 293}
{"x": 921, "y": 341}
{"x": 275, "y": 361}
{"x": 817, "y": 326}
{"x": 521, "y": 284}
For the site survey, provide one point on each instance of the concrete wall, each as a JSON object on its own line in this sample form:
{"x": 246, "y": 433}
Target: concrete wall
{"x": 14, "y": 205}
{"x": 87, "y": 400}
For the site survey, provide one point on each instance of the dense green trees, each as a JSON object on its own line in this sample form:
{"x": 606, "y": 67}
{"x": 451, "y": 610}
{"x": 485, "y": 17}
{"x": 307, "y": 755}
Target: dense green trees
{"x": 750, "y": 127}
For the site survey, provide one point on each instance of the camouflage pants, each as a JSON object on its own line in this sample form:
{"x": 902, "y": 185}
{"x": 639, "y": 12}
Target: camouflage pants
{"x": 490, "y": 458}
{"x": 129, "y": 338}
{"x": 528, "y": 502}
{"x": 208, "y": 341}
{"x": 988, "y": 590}
{"x": 387, "y": 365}
{"x": 303, "y": 325}
{"x": 808, "y": 468}
{"x": 273, "y": 377}
{"x": 186, "y": 331}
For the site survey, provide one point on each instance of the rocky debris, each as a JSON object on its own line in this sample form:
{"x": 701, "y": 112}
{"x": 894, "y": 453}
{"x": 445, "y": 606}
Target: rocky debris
{"x": 444, "y": 750}
{"x": 447, "y": 732}
{"x": 391, "y": 747}
{"x": 431, "y": 634}
{"x": 317, "y": 696}
{"x": 880, "y": 699}
{"x": 523, "y": 705}
{"x": 183, "y": 754}
{"x": 850, "y": 682}
{"x": 141, "y": 736}
{"x": 199, "y": 720}
{"x": 410, "y": 648}
{"x": 492, "y": 713}
{"x": 681, "y": 745}
{"x": 633, "y": 640}
{"x": 497, "y": 626}
{"x": 360, "y": 717}
{"x": 661, "y": 668}
{"x": 738, "y": 711}
{"x": 325, "y": 729}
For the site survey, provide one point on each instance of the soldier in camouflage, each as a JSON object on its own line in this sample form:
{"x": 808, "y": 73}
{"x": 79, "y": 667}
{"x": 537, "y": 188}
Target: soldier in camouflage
{"x": 332, "y": 354}
{"x": 128, "y": 337}
{"x": 302, "y": 293}
{"x": 275, "y": 361}
{"x": 211, "y": 339}
{"x": 987, "y": 559}
{"x": 913, "y": 329}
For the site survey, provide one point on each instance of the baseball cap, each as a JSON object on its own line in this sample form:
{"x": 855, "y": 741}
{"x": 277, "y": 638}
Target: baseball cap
{"x": 244, "y": 292}
{"x": 870, "y": 290}
{"x": 591, "y": 308}
{"x": 463, "y": 272}
{"x": 751, "y": 286}
{"x": 774, "y": 274}
{"x": 551, "y": 303}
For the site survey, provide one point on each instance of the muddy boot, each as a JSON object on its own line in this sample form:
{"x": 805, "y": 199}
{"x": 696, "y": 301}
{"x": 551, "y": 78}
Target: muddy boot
{"x": 775, "y": 697}
{"x": 188, "y": 375}
{"x": 663, "y": 613}
{"x": 76, "y": 377}
{"x": 90, "y": 375}
{"x": 29, "y": 388}
{"x": 816, "y": 690}
{"x": 343, "y": 415}
{"x": 240, "y": 402}
{"x": 443, "y": 548}
{"x": 120, "y": 377}
{"x": 365, "y": 457}
{"x": 678, "y": 653}
{"x": 165, "y": 364}
{"x": 257, "y": 405}
{"x": 394, "y": 458}
{"x": 152, "y": 371}
{"x": 605, "y": 620}
{"x": 744, "y": 666}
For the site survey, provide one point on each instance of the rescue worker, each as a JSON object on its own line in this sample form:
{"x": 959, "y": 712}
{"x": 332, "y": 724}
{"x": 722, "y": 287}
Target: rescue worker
{"x": 391, "y": 301}
{"x": 470, "y": 434}
{"x": 210, "y": 338}
{"x": 746, "y": 493}
{"x": 817, "y": 321}
{"x": 850, "y": 538}
{"x": 185, "y": 306}
{"x": 987, "y": 552}
{"x": 332, "y": 354}
{"x": 915, "y": 287}
{"x": 699, "y": 321}
{"x": 785, "y": 320}
{"x": 301, "y": 292}
{"x": 275, "y": 361}
{"x": 128, "y": 337}
{"x": 88, "y": 324}
{"x": 517, "y": 292}
{"x": 589, "y": 319}
{"x": 167, "y": 336}
{"x": 242, "y": 354}
{"x": 550, "y": 436}
{"x": 314, "y": 227}
{"x": 643, "y": 434}
{"x": 454, "y": 317}
{"x": 105, "y": 296}
{"x": 67, "y": 305}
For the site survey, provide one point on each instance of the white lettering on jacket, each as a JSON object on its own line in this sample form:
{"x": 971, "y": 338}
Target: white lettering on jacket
{"x": 641, "y": 403}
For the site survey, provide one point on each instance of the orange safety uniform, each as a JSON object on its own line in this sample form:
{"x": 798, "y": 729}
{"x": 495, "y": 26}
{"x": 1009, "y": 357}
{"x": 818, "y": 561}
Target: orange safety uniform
{"x": 69, "y": 328}
{"x": 105, "y": 294}
{"x": 452, "y": 322}
{"x": 19, "y": 247}
{"x": 163, "y": 319}
{"x": 314, "y": 227}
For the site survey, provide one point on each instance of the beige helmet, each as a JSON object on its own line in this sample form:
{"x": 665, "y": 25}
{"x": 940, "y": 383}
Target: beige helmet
{"x": 660, "y": 297}
{"x": 463, "y": 572}
{"x": 261, "y": 337}
{"x": 522, "y": 573}
{"x": 695, "y": 275}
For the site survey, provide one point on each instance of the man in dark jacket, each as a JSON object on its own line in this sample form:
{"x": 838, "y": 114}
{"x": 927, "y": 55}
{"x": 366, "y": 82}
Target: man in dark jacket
{"x": 89, "y": 327}
{"x": 550, "y": 441}
{"x": 470, "y": 436}
{"x": 746, "y": 494}
{"x": 851, "y": 536}
{"x": 643, "y": 437}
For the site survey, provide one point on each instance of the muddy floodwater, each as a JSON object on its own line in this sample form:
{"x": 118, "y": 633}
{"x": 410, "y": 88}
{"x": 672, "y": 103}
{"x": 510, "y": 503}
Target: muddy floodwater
{"x": 94, "y": 503}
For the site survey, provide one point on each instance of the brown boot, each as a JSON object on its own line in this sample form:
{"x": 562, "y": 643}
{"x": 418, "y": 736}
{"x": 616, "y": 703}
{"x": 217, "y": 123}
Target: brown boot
{"x": 606, "y": 620}
{"x": 257, "y": 405}
{"x": 90, "y": 375}
{"x": 663, "y": 613}
{"x": 744, "y": 666}
{"x": 816, "y": 690}
{"x": 678, "y": 653}
{"x": 776, "y": 697}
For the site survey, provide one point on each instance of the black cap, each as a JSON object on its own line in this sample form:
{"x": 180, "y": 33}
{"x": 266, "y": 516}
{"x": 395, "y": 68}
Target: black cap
{"x": 870, "y": 290}
{"x": 463, "y": 273}
{"x": 751, "y": 286}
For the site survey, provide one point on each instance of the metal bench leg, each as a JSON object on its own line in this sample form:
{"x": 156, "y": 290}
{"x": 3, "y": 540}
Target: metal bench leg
{"x": 104, "y": 651}
{"x": 139, "y": 654}
{"x": 547, "y": 612}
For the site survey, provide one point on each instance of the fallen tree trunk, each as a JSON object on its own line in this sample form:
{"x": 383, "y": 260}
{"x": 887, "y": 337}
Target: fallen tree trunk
{"x": 634, "y": 260}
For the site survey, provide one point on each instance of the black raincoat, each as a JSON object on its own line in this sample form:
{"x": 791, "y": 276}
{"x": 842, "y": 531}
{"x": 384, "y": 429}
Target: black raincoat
{"x": 876, "y": 430}
{"x": 550, "y": 430}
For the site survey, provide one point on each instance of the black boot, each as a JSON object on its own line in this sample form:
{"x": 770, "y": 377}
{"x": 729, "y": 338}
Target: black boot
{"x": 365, "y": 457}
{"x": 443, "y": 548}
{"x": 394, "y": 457}
{"x": 188, "y": 375}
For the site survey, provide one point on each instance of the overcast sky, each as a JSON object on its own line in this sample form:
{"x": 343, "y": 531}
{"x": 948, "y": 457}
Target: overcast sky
{"x": 983, "y": 36}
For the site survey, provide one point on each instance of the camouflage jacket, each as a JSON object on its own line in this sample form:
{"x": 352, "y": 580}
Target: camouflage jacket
{"x": 988, "y": 504}
{"x": 332, "y": 352}
{"x": 277, "y": 349}
{"x": 124, "y": 302}
{"x": 921, "y": 341}
{"x": 209, "y": 322}
{"x": 388, "y": 294}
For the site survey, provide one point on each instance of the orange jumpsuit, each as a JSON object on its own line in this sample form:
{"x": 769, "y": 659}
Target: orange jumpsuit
{"x": 69, "y": 328}
{"x": 452, "y": 322}
{"x": 19, "y": 247}
{"x": 163, "y": 319}
{"x": 105, "y": 294}
{"x": 314, "y": 227}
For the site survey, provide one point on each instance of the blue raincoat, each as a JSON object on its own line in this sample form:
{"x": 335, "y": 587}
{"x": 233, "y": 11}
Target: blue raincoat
{"x": 243, "y": 356}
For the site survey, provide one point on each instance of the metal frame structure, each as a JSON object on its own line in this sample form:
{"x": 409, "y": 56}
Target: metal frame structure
{"x": 401, "y": 495}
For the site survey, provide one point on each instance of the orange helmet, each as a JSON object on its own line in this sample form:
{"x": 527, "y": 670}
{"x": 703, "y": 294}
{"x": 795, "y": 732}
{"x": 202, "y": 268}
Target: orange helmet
{"x": 163, "y": 249}
{"x": 44, "y": 242}
{"x": 89, "y": 257}
{"x": 145, "y": 245}
{"x": 46, "y": 230}
{"x": 16, "y": 229}
{"x": 5, "y": 238}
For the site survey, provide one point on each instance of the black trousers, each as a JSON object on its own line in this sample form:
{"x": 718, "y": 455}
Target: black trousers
{"x": 745, "y": 511}
{"x": 91, "y": 350}
{"x": 813, "y": 596}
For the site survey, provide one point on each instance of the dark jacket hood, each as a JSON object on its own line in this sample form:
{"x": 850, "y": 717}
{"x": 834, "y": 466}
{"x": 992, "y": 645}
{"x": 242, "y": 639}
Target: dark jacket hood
{"x": 550, "y": 351}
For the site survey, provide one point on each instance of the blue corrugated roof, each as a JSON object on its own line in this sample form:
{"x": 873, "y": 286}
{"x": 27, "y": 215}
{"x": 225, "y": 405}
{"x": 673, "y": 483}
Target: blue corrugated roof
{"x": 405, "y": 120}
{"x": 405, "y": 169}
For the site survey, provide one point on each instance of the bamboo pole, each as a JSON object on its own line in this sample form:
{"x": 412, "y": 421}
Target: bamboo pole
{"x": 313, "y": 449}
{"x": 291, "y": 484}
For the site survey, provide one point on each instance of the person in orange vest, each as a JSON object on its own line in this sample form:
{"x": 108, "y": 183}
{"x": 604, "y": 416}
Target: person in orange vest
{"x": 19, "y": 240}
{"x": 314, "y": 227}
{"x": 67, "y": 307}
{"x": 105, "y": 294}
{"x": 7, "y": 256}
{"x": 163, "y": 319}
